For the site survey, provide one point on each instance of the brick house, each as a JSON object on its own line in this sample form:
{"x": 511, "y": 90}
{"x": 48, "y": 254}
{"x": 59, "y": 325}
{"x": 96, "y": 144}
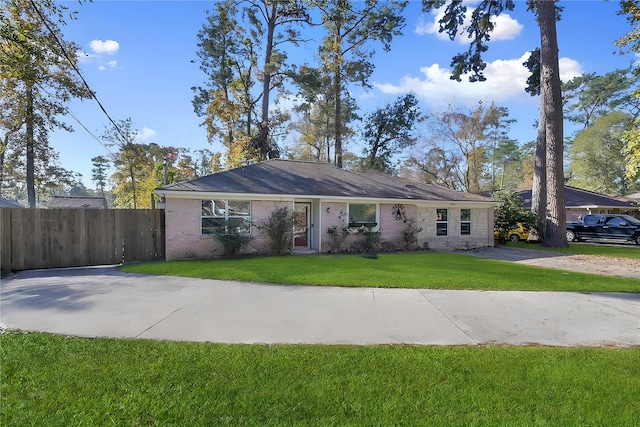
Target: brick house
{"x": 323, "y": 197}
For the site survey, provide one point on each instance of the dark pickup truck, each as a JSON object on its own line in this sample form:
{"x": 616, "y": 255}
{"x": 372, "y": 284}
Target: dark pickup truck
{"x": 605, "y": 226}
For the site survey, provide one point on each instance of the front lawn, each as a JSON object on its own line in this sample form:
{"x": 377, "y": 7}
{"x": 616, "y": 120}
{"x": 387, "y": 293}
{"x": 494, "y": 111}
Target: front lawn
{"x": 52, "y": 380}
{"x": 433, "y": 270}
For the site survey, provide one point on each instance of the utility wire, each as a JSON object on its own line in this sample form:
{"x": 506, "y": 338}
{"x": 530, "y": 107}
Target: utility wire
{"x": 68, "y": 111}
{"x": 93, "y": 94}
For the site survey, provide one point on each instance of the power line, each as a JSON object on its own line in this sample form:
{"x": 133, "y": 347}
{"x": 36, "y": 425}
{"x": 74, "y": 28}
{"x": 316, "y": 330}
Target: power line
{"x": 68, "y": 111}
{"x": 93, "y": 94}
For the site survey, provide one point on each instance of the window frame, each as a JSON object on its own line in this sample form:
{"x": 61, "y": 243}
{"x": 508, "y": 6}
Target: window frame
{"x": 353, "y": 226}
{"x": 464, "y": 222}
{"x": 226, "y": 217}
{"x": 442, "y": 222}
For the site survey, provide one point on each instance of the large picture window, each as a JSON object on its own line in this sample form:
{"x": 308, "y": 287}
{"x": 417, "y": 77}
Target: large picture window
{"x": 465, "y": 222}
{"x": 218, "y": 215}
{"x": 363, "y": 214}
{"x": 442, "y": 224}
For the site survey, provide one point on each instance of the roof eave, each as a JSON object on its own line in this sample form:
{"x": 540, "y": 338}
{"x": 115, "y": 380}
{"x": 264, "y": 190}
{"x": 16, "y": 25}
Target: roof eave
{"x": 602, "y": 207}
{"x": 325, "y": 198}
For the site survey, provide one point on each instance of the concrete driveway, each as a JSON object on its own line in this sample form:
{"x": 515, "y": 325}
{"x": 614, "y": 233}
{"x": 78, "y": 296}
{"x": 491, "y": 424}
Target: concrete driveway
{"x": 102, "y": 301}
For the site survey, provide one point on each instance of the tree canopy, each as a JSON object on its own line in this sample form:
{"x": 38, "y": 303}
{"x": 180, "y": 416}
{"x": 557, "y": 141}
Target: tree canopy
{"x": 460, "y": 149}
{"x": 37, "y": 79}
{"x": 548, "y": 183}
{"x": 631, "y": 41}
{"x": 388, "y": 130}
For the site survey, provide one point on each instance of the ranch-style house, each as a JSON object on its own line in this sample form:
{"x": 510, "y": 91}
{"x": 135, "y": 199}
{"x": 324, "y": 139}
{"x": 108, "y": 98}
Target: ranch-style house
{"x": 325, "y": 199}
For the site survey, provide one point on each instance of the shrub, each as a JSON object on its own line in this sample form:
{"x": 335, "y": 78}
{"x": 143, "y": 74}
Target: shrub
{"x": 231, "y": 239}
{"x": 510, "y": 213}
{"x": 371, "y": 240}
{"x": 410, "y": 233}
{"x": 337, "y": 236}
{"x": 279, "y": 228}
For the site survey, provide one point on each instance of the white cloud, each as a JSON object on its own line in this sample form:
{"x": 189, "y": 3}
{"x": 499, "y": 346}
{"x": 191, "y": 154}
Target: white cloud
{"x": 506, "y": 28}
{"x": 100, "y": 49}
{"x": 108, "y": 47}
{"x": 506, "y": 81}
{"x": 569, "y": 68}
{"x": 146, "y": 135}
{"x": 428, "y": 27}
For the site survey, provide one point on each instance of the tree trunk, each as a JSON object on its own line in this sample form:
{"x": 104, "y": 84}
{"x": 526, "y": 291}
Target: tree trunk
{"x": 263, "y": 135}
{"x": 539, "y": 185}
{"x": 338, "y": 121}
{"x": 29, "y": 119}
{"x": 337, "y": 81}
{"x": 551, "y": 107}
{"x": 132, "y": 174}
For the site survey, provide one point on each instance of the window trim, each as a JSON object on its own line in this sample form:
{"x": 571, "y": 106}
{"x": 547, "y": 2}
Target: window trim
{"x": 440, "y": 222}
{"x": 356, "y": 227}
{"x": 463, "y": 221}
{"x": 226, "y": 216}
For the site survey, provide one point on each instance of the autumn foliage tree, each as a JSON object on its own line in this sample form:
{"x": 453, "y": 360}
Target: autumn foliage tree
{"x": 459, "y": 146}
{"x": 134, "y": 178}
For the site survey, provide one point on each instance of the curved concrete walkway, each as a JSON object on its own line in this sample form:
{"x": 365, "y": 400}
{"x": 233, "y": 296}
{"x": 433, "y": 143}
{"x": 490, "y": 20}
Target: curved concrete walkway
{"x": 102, "y": 301}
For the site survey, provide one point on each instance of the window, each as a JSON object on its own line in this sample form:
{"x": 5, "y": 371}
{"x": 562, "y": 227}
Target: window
{"x": 218, "y": 215}
{"x": 465, "y": 222}
{"x": 363, "y": 214}
{"x": 441, "y": 222}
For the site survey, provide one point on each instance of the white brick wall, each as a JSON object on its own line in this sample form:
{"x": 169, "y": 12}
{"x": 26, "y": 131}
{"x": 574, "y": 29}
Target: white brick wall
{"x": 481, "y": 235}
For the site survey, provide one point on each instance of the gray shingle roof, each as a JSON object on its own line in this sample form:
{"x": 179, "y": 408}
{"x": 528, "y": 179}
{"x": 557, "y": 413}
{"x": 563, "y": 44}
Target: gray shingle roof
{"x": 297, "y": 178}
{"x": 79, "y": 202}
{"x": 577, "y": 197}
{"x": 8, "y": 203}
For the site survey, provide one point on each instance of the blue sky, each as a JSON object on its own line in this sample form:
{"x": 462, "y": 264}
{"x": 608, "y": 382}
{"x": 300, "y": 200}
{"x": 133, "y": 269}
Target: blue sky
{"x": 137, "y": 56}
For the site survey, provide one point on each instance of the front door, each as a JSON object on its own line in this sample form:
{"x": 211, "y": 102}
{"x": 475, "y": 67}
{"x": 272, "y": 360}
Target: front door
{"x": 301, "y": 227}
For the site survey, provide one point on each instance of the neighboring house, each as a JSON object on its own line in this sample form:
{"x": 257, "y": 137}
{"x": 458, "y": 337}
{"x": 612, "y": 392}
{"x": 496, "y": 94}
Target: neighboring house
{"x": 580, "y": 202}
{"x": 77, "y": 202}
{"x": 9, "y": 203}
{"x": 322, "y": 197}
{"x": 634, "y": 196}
{"x": 19, "y": 204}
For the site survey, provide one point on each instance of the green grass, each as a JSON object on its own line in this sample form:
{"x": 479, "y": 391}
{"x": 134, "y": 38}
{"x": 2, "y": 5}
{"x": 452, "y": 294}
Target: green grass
{"x": 434, "y": 270}
{"x": 601, "y": 249}
{"x": 61, "y": 381}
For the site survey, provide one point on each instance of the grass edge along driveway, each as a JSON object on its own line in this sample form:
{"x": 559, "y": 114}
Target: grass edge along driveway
{"x": 423, "y": 270}
{"x": 59, "y": 381}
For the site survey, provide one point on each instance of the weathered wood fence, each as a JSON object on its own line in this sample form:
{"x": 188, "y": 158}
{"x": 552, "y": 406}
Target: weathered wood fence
{"x": 50, "y": 238}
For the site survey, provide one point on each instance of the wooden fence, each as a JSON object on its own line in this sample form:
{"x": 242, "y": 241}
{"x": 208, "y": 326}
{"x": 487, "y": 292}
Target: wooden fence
{"x": 50, "y": 238}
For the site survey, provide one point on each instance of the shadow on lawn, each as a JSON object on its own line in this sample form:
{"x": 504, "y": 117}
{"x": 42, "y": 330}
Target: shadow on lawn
{"x": 505, "y": 253}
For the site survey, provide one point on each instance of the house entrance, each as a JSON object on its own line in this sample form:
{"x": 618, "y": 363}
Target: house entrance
{"x": 301, "y": 227}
